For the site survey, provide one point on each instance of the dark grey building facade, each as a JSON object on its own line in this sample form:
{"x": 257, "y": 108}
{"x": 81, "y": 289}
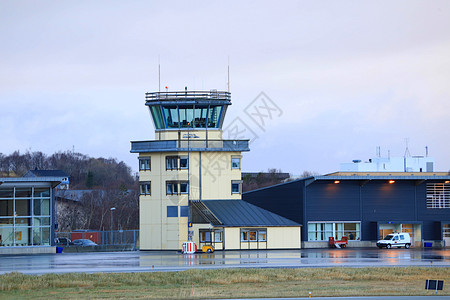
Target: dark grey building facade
{"x": 363, "y": 208}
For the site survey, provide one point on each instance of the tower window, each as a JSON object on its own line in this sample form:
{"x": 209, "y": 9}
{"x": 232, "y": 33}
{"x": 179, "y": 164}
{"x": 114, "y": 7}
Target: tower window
{"x": 171, "y": 188}
{"x": 144, "y": 164}
{"x": 236, "y": 186}
{"x": 145, "y": 188}
{"x": 184, "y": 162}
{"x": 184, "y": 187}
{"x": 171, "y": 162}
{"x": 235, "y": 162}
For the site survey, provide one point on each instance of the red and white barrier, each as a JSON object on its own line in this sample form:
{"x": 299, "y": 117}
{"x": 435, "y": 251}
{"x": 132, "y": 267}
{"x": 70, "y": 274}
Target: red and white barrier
{"x": 189, "y": 247}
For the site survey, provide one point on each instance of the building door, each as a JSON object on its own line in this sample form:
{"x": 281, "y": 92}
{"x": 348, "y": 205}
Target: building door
{"x": 414, "y": 231}
{"x": 446, "y": 234}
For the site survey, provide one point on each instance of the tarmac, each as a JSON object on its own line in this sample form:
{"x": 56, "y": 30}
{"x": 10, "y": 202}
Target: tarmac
{"x": 152, "y": 261}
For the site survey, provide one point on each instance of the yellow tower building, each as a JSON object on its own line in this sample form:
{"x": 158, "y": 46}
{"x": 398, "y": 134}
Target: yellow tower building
{"x": 187, "y": 163}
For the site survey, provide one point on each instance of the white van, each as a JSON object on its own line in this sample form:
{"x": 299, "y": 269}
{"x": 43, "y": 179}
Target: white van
{"x": 395, "y": 240}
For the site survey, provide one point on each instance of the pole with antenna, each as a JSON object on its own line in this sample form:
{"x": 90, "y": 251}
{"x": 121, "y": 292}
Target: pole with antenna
{"x": 159, "y": 74}
{"x": 228, "y": 74}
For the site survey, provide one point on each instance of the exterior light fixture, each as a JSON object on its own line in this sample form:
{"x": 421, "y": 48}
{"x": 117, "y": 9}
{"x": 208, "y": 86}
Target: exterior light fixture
{"x": 391, "y": 181}
{"x": 337, "y": 182}
{"x": 448, "y": 181}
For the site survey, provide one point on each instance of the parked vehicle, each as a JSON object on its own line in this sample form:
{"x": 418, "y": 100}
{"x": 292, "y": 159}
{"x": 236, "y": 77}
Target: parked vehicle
{"x": 395, "y": 240}
{"x": 83, "y": 243}
{"x": 63, "y": 241}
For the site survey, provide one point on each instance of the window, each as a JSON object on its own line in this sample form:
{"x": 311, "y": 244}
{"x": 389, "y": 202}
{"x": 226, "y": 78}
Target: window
{"x": 145, "y": 188}
{"x": 171, "y": 188}
{"x": 172, "y": 211}
{"x": 253, "y": 235}
{"x": 171, "y": 162}
{"x": 322, "y": 231}
{"x": 144, "y": 164}
{"x": 235, "y": 162}
{"x": 262, "y": 236}
{"x": 236, "y": 186}
{"x": 184, "y": 162}
{"x": 205, "y": 236}
{"x": 177, "y": 187}
{"x": 177, "y": 162}
{"x": 184, "y": 187}
{"x": 218, "y": 236}
{"x": 184, "y": 211}
{"x": 438, "y": 195}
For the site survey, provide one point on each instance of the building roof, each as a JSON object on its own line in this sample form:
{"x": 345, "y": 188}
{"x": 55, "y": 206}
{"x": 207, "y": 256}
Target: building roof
{"x": 46, "y": 173}
{"x": 388, "y": 174}
{"x": 11, "y": 181}
{"x": 238, "y": 213}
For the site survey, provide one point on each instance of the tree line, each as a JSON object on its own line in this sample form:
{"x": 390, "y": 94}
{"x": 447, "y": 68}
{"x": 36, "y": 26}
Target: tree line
{"x": 108, "y": 183}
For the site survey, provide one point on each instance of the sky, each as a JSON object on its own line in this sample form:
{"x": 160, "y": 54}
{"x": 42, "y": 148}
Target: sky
{"x": 339, "y": 78}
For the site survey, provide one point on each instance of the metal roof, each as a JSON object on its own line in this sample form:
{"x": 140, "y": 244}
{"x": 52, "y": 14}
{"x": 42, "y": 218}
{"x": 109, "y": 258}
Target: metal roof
{"x": 238, "y": 213}
{"x": 11, "y": 180}
{"x": 46, "y": 173}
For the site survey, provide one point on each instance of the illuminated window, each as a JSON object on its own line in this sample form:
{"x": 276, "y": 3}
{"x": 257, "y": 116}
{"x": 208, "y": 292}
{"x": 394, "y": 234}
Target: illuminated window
{"x": 322, "y": 231}
{"x": 254, "y": 235}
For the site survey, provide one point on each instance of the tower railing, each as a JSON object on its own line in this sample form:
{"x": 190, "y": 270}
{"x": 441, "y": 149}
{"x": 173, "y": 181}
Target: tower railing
{"x": 188, "y": 95}
{"x": 192, "y": 145}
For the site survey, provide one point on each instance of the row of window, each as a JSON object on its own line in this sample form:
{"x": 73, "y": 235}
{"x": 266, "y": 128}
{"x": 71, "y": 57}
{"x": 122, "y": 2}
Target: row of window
{"x": 254, "y": 235}
{"x": 182, "y": 187}
{"x": 438, "y": 195}
{"x": 247, "y": 235}
{"x": 179, "y": 163}
{"x": 321, "y": 231}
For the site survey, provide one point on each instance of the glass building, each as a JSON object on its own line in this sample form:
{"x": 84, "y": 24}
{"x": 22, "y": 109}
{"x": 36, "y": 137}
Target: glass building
{"x": 27, "y": 211}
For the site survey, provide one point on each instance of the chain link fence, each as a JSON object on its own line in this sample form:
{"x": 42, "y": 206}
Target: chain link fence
{"x": 104, "y": 238}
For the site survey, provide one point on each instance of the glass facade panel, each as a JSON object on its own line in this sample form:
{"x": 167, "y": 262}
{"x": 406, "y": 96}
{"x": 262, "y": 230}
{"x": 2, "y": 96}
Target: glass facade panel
{"x": 25, "y": 217}
{"x": 23, "y": 192}
{"x": 6, "y": 193}
{"x": 23, "y": 207}
{"x": 214, "y": 115}
{"x": 157, "y": 117}
{"x": 171, "y": 116}
{"x": 6, "y": 207}
{"x": 186, "y": 116}
{"x": 41, "y": 193}
{"x": 200, "y": 115}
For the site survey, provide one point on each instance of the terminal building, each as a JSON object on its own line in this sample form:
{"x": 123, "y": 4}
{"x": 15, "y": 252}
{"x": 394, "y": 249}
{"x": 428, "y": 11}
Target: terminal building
{"x": 191, "y": 182}
{"x": 364, "y": 207}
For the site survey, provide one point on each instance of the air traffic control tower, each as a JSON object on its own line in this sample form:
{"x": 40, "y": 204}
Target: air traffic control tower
{"x": 188, "y": 162}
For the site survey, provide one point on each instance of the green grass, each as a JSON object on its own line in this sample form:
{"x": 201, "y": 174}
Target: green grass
{"x": 224, "y": 283}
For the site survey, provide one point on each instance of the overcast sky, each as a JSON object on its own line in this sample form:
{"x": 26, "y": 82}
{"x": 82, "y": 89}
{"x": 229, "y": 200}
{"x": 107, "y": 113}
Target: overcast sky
{"x": 345, "y": 76}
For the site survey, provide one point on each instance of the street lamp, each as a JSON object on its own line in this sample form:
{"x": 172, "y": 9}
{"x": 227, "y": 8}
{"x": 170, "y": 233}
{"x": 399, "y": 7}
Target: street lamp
{"x": 111, "y": 225}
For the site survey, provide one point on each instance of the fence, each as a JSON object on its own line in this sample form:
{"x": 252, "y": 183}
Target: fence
{"x": 105, "y": 238}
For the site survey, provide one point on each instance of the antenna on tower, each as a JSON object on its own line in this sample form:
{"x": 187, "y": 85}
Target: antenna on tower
{"x": 407, "y": 154}
{"x": 159, "y": 75}
{"x": 228, "y": 83}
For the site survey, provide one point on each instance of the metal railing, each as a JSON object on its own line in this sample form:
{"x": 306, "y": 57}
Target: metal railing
{"x": 192, "y": 145}
{"x": 188, "y": 95}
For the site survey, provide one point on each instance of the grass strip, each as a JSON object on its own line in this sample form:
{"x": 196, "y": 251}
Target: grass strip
{"x": 225, "y": 283}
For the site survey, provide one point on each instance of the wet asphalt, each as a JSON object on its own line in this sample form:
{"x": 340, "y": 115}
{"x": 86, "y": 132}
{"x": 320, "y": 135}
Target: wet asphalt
{"x": 151, "y": 261}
